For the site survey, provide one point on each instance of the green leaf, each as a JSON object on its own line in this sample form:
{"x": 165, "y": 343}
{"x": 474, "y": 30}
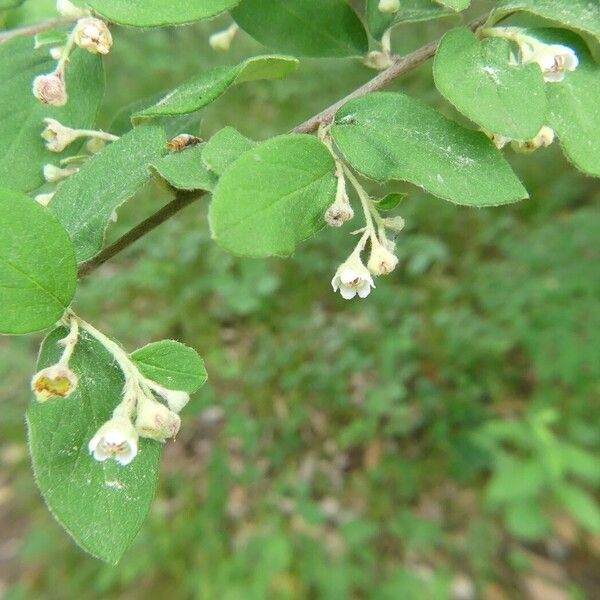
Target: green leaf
{"x": 526, "y": 520}
{"x": 392, "y": 136}
{"x": 304, "y": 27}
{"x": 515, "y": 480}
{"x": 273, "y": 197}
{"x": 172, "y": 364}
{"x": 581, "y": 506}
{"x": 410, "y": 11}
{"x": 223, "y": 148}
{"x": 86, "y": 201}
{"x": 583, "y": 15}
{"x": 6, "y": 4}
{"x": 52, "y": 37}
{"x": 457, "y": 5}
{"x": 574, "y": 106}
{"x": 198, "y": 92}
{"x": 185, "y": 170}
{"x": 478, "y": 80}
{"x": 21, "y": 114}
{"x": 102, "y": 505}
{"x": 391, "y": 201}
{"x": 157, "y": 13}
{"x": 38, "y": 273}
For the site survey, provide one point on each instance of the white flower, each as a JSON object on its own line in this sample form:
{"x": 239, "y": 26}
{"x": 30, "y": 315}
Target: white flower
{"x": 352, "y": 278}
{"x": 44, "y": 199}
{"x": 155, "y": 421}
{"x": 50, "y": 89}
{"x": 381, "y": 260}
{"x": 93, "y": 35}
{"x": 388, "y": 6}
{"x": 69, "y": 10}
{"x": 553, "y": 59}
{"x": 57, "y": 136}
{"x": 55, "y": 381}
{"x": 222, "y": 39}
{"x": 544, "y": 138}
{"x": 117, "y": 439}
{"x": 53, "y": 173}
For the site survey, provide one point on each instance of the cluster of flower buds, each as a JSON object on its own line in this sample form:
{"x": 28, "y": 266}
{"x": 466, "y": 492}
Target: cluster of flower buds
{"x": 222, "y": 39}
{"x": 388, "y": 6}
{"x": 543, "y": 139}
{"x": 89, "y": 33}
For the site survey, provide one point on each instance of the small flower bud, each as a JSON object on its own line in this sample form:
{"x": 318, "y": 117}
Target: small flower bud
{"x": 56, "y": 52}
{"x": 44, "y": 199}
{"x": 544, "y": 138}
{"x": 394, "y": 223}
{"x": 340, "y": 211}
{"x": 155, "y": 421}
{"x": 498, "y": 140}
{"x": 53, "y": 173}
{"x": 57, "y": 136}
{"x": 176, "y": 399}
{"x": 94, "y": 145}
{"x": 381, "y": 260}
{"x": 93, "y": 35}
{"x": 69, "y": 10}
{"x": 388, "y": 6}
{"x": 50, "y": 89}
{"x": 53, "y": 381}
{"x": 352, "y": 278}
{"x": 222, "y": 39}
{"x": 117, "y": 439}
{"x": 378, "y": 60}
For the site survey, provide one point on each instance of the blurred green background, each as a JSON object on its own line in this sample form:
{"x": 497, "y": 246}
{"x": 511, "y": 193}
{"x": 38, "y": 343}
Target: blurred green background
{"x": 437, "y": 440}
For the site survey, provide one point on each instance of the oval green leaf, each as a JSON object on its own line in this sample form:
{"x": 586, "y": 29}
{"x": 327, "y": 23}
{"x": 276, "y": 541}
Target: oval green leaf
{"x": 389, "y": 136}
{"x": 185, "y": 170}
{"x": 476, "y": 77}
{"x": 38, "y": 273}
{"x": 304, "y": 27}
{"x": 198, "y": 92}
{"x": 158, "y": 13}
{"x": 224, "y": 148}
{"x": 172, "y": 364}
{"x": 102, "y": 505}
{"x": 273, "y": 197}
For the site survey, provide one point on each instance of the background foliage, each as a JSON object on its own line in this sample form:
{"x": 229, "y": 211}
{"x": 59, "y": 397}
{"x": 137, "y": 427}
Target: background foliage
{"x": 442, "y": 433}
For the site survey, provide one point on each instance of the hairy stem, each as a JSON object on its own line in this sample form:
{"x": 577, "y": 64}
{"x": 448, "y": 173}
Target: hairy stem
{"x": 33, "y": 29}
{"x": 400, "y": 66}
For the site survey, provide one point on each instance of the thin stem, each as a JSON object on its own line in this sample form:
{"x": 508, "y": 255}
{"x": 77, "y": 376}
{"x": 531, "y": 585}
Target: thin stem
{"x": 400, "y": 66}
{"x": 70, "y": 341}
{"x": 181, "y": 201}
{"x": 33, "y": 29}
{"x": 96, "y": 133}
{"x": 364, "y": 198}
{"x": 64, "y": 57}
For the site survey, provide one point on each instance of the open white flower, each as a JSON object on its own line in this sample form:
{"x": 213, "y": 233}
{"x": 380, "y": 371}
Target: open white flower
{"x": 388, "y": 6}
{"x": 553, "y": 59}
{"x": 381, "y": 260}
{"x": 117, "y": 439}
{"x": 57, "y": 136}
{"x": 50, "y": 89}
{"x": 352, "y": 278}
{"x": 55, "y": 381}
{"x": 93, "y": 35}
{"x": 155, "y": 421}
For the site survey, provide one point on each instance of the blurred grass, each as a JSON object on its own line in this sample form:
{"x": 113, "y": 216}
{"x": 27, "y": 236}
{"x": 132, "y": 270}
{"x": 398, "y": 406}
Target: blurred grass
{"x": 343, "y": 450}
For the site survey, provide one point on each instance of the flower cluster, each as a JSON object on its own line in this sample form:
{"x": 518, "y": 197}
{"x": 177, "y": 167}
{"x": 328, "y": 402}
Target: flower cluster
{"x": 88, "y": 33}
